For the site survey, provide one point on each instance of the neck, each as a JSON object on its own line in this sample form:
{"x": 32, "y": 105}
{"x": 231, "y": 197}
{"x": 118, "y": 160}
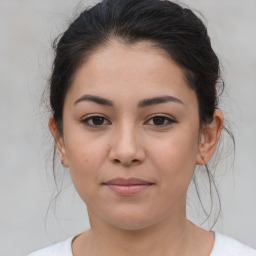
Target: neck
{"x": 174, "y": 235}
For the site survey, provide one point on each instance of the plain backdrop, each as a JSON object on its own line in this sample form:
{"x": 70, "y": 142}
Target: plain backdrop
{"x": 27, "y": 29}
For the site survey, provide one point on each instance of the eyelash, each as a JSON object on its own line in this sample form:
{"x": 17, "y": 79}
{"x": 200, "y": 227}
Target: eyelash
{"x": 169, "y": 120}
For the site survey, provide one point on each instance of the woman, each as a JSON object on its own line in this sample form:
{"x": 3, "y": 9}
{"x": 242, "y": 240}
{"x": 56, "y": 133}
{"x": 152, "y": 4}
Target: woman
{"x": 134, "y": 99}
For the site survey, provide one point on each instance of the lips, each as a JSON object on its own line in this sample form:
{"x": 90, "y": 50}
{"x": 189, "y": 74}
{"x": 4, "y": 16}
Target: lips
{"x": 127, "y": 187}
{"x": 127, "y": 182}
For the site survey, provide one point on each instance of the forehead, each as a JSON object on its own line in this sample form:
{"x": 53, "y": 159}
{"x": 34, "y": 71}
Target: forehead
{"x": 140, "y": 49}
{"x": 140, "y": 57}
{"x": 138, "y": 69}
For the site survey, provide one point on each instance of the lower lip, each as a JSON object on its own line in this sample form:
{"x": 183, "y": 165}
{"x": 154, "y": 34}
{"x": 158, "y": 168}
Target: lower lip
{"x": 127, "y": 190}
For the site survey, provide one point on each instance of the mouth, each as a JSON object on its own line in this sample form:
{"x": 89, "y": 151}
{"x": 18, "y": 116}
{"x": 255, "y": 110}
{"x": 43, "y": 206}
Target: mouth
{"x": 127, "y": 187}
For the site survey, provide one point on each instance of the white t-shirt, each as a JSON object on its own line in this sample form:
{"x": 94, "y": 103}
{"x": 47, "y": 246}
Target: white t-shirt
{"x": 223, "y": 246}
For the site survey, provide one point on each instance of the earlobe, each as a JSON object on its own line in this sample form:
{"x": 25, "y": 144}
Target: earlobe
{"x": 209, "y": 138}
{"x": 58, "y": 141}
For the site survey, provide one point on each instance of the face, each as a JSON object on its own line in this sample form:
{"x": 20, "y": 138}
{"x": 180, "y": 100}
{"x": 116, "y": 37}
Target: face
{"x": 130, "y": 135}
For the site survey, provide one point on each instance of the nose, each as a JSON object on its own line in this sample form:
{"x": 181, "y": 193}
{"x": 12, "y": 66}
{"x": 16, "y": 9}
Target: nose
{"x": 126, "y": 146}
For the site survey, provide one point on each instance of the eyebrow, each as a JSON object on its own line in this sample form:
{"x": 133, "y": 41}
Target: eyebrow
{"x": 141, "y": 104}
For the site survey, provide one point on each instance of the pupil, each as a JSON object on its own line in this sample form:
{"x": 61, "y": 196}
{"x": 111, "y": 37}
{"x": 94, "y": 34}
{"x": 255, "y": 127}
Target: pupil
{"x": 97, "y": 120}
{"x": 158, "y": 120}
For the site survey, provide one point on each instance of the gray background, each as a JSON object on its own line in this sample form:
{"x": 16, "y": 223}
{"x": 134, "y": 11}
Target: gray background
{"x": 27, "y": 28}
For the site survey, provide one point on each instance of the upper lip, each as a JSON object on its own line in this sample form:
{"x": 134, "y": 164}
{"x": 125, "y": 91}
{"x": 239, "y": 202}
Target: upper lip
{"x": 127, "y": 181}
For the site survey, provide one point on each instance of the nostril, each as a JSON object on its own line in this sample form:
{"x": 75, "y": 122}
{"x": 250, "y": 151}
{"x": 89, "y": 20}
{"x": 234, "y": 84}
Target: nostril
{"x": 117, "y": 161}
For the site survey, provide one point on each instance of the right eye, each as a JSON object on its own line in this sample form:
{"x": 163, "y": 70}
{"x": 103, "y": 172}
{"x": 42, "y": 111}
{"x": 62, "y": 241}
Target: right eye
{"x": 95, "y": 121}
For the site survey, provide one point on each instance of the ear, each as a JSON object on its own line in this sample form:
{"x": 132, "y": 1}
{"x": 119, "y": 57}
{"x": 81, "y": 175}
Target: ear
{"x": 209, "y": 138}
{"x": 59, "y": 141}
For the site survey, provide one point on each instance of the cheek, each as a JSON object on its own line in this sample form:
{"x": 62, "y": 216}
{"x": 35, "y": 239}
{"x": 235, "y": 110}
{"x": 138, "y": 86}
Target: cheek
{"x": 85, "y": 156}
{"x": 176, "y": 159}
{"x": 83, "y": 149}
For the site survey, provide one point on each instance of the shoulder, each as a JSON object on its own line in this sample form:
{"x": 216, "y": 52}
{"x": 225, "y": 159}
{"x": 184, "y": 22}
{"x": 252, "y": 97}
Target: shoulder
{"x": 58, "y": 249}
{"x": 226, "y": 246}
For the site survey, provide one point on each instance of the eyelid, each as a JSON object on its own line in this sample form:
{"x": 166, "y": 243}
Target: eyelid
{"x": 90, "y": 116}
{"x": 171, "y": 120}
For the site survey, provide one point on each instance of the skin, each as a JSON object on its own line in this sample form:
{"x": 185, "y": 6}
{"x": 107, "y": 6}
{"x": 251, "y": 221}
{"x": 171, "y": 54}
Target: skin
{"x": 128, "y": 142}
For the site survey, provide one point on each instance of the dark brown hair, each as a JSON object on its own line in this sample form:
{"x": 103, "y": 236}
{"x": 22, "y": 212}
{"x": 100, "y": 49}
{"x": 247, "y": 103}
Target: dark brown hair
{"x": 171, "y": 27}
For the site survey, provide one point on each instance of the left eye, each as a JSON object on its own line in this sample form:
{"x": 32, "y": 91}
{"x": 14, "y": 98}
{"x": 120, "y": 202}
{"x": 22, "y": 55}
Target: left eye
{"x": 160, "y": 121}
{"x": 95, "y": 121}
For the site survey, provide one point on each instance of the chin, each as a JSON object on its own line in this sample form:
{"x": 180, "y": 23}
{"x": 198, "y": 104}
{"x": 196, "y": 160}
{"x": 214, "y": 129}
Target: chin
{"x": 131, "y": 221}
